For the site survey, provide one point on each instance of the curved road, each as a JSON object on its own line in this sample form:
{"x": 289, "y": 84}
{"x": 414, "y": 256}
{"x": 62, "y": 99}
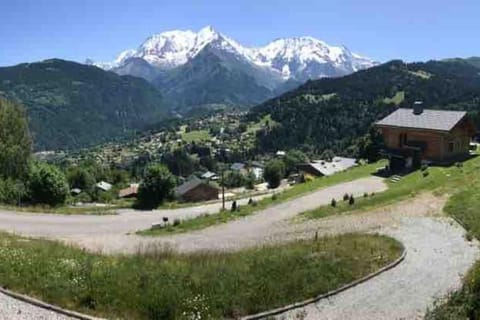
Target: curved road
{"x": 438, "y": 255}
{"x": 112, "y": 234}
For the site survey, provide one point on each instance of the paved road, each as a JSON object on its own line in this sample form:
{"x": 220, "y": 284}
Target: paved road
{"x": 109, "y": 234}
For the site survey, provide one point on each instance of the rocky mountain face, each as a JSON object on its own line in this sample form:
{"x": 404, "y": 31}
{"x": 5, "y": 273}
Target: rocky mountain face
{"x": 206, "y": 67}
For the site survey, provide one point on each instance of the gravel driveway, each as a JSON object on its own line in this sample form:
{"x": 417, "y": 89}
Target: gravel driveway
{"x": 438, "y": 255}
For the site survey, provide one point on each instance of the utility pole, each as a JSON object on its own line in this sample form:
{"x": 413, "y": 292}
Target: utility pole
{"x": 223, "y": 189}
{"x": 222, "y": 150}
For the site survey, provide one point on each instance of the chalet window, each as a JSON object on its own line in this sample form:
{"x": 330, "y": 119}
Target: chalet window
{"x": 402, "y": 139}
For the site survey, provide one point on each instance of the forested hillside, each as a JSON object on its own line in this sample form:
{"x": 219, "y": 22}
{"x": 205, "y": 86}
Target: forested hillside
{"x": 335, "y": 113}
{"x": 72, "y": 105}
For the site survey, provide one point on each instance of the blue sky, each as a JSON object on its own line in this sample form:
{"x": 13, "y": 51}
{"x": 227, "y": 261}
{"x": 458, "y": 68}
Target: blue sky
{"x": 32, "y": 30}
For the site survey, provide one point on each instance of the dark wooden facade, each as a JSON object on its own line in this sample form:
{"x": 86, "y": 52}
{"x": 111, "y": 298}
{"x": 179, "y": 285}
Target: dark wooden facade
{"x": 425, "y": 144}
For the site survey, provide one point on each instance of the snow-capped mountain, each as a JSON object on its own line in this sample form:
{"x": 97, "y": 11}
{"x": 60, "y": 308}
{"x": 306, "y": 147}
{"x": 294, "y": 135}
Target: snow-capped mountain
{"x": 298, "y": 58}
{"x": 186, "y": 61}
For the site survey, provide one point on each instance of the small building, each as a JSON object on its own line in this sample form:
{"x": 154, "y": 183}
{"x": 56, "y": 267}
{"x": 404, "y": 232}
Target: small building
{"x": 210, "y": 176}
{"x": 130, "y": 192}
{"x": 104, "y": 186}
{"x": 196, "y": 190}
{"x": 320, "y": 168}
{"x": 237, "y": 166}
{"x": 75, "y": 191}
{"x": 415, "y": 135}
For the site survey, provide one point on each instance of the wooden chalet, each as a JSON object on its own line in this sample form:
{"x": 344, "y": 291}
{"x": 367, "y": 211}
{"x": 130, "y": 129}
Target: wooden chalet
{"x": 415, "y": 135}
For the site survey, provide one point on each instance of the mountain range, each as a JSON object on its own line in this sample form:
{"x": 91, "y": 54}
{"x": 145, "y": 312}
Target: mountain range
{"x": 336, "y": 113}
{"x": 207, "y": 67}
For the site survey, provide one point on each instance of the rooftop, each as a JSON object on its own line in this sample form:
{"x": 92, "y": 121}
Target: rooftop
{"x": 440, "y": 120}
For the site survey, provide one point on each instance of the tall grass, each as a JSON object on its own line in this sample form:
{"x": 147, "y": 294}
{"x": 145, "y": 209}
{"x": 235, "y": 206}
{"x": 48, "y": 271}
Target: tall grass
{"x": 166, "y": 285}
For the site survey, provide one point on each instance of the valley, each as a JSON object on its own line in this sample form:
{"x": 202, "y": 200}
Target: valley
{"x": 264, "y": 175}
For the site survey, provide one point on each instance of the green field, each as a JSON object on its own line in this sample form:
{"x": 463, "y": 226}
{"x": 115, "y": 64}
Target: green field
{"x": 165, "y": 285}
{"x": 196, "y": 136}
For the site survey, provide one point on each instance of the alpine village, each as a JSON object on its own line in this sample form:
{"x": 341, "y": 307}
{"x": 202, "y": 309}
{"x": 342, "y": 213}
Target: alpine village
{"x": 196, "y": 177}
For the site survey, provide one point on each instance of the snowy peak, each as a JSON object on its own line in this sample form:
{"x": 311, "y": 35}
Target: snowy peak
{"x": 295, "y": 57}
{"x": 171, "y": 49}
{"x": 299, "y": 58}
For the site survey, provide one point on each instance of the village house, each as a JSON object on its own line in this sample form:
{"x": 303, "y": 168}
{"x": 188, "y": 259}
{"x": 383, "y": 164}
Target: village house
{"x": 196, "y": 190}
{"x": 415, "y": 135}
{"x": 130, "y": 192}
{"x": 320, "y": 168}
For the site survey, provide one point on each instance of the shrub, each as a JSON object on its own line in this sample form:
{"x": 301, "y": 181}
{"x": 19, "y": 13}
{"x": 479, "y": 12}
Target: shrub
{"x": 273, "y": 173}
{"x": 157, "y": 185}
{"x": 365, "y": 195}
{"x": 176, "y": 222}
{"x": 425, "y": 173}
{"x": 351, "y": 200}
{"x": 47, "y": 184}
{"x": 274, "y": 197}
{"x": 334, "y": 203}
{"x": 250, "y": 201}
{"x": 424, "y": 167}
{"x": 12, "y": 191}
{"x": 346, "y": 197}
{"x": 234, "y": 206}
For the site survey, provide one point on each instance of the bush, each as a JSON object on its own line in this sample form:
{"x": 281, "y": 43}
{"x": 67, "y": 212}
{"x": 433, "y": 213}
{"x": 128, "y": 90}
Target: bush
{"x": 351, "y": 200}
{"x": 334, "y": 203}
{"x": 365, "y": 195}
{"x": 234, "y": 206}
{"x": 157, "y": 185}
{"x": 346, "y": 197}
{"x": 273, "y": 173}
{"x": 425, "y": 173}
{"x": 12, "y": 191}
{"x": 424, "y": 167}
{"x": 176, "y": 222}
{"x": 47, "y": 184}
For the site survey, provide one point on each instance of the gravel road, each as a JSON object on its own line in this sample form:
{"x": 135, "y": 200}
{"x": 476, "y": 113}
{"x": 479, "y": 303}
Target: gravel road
{"x": 109, "y": 234}
{"x": 12, "y": 309}
{"x": 438, "y": 256}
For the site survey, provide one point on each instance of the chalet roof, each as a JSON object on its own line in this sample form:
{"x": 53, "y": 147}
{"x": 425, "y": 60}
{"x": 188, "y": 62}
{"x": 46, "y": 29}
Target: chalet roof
{"x": 237, "y": 166}
{"x": 440, "y": 120}
{"x": 327, "y": 168}
{"x": 105, "y": 186}
{"x": 209, "y": 175}
{"x": 189, "y": 185}
{"x": 132, "y": 190}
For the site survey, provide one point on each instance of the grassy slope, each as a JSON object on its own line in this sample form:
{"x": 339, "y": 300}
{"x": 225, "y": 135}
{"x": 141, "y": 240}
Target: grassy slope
{"x": 464, "y": 206}
{"x": 439, "y": 179}
{"x": 296, "y": 191}
{"x": 165, "y": 285}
